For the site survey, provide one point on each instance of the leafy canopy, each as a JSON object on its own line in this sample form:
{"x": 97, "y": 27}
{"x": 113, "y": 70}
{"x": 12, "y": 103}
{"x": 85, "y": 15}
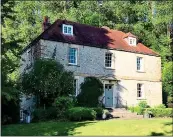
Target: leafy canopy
{"x": 91, "y": 90}
{"x": 48, "y": 80}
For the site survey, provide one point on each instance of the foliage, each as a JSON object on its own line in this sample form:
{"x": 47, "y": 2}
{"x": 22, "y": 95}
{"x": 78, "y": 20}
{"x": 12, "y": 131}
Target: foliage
{"x": 167, "y": 77}
{"x": 161, "y": 112}
{"x": 81, "y": 113}
{"x": 143, "y": 104}
{"x": 160, "y": 106}
{"x": 10, "y": 112}
{"x": 9, "y": 63}
{"x": 47, "y": 80}
{"x": 140, "y": 108}
{"x": 62, "y": 104}
{"x": 99, "y": 112}
{"x": 137, "y": 109}
{"x": 170, "y": 102}
{"x": 42, "y": 114}
{"x": 91, "y": 90}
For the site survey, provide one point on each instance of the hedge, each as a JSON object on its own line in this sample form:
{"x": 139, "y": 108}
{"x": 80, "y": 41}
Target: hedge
{"x": 160, "y": 112}
{"x": 99, "y": 112}
{"x": 42, "y": 114}
{"x": 137, "y": 109}
{"x": 81, "y": 114}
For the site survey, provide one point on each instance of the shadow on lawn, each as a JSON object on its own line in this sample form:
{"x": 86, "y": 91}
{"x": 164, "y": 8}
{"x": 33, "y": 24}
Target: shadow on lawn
{"x": 161, "y": 133}
{"x": 49, "y": 128}
{"x": 62, "y": 128}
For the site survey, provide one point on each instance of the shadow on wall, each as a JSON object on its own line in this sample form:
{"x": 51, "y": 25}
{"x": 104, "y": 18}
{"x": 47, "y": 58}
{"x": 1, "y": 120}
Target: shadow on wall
{"x": 120, "y": 101}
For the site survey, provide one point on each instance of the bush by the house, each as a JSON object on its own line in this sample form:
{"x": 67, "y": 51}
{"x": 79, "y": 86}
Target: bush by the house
{"x": 140, "y": 108}
{"x": 137, "y": 109}
{"x": 143, "y": 104}
{"x": 170, "y": 102}
{"x": 160, "y": 106}
{"x": 42, "y": 114}
{"x": 99, "y": 112}
{"x": 47, "y": 80}
{"x": 80, "y": 114}
{"x": 62, "y": 104}
{"x": 160, "y": 112}
{"x": 91, "y": 90}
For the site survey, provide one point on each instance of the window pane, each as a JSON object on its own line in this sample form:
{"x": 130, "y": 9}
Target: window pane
{"x": 139, "y": 63}
{"x": 108, "y": 59}
{"x": 72, "y": 55}
{"x": 65, "y": 29}
{"x": 69, "y": 30}
{"x": 139, "y": 90}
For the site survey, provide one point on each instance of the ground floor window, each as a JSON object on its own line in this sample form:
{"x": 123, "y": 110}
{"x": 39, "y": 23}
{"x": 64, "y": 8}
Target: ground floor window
{"x": 140, "y": 90}
{"x": 76, "y": 87}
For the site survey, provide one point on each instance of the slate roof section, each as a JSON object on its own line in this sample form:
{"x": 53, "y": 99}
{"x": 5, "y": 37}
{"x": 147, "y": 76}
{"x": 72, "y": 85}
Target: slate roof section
{"x": 86, "y": 35}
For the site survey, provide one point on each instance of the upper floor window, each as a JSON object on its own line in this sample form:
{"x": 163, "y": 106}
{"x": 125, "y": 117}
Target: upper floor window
{"x": 140, "y": 90}
{"x": 108, "y": 60}
{"x": 67, "y": 29}
{"x": 72, "y": 56}
{"x": 139, "y": 64}
{"x": 132, "y": 41}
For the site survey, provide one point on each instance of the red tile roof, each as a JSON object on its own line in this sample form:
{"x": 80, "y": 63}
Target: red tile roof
{"x": 92, "y": 36}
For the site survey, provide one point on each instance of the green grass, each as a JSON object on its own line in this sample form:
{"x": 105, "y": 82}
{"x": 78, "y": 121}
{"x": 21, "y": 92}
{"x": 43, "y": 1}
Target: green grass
{"x": 143, "y": 127}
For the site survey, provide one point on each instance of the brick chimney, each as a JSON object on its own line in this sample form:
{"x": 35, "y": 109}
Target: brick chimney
{"x": 46, "y": 23}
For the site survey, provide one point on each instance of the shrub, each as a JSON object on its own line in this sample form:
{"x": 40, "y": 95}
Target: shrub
{"x": 170, "y": 102}
{"x": 48, "y": 80}
{"x": 80, "y": 114}
{"x": 143, "y": 104}
{"x": 41, "y": 114}
{"x": 160, "y": 106}
{"x": 99, "y": 112}
{"x": 140, "y": 108}
{"x": 91, "y": 90}
{"x": 62, "y": 104}
{"x": 161, "y": 112}
{"x": 137, "y": 109}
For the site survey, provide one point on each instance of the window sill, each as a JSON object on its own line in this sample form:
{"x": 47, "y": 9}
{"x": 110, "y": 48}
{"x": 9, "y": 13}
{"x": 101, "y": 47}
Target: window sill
{"x": 73, "y": 65}
{"x": 109, "y": 68}
{"x": 141, "y": 99}
{"x": 140, "y": 71}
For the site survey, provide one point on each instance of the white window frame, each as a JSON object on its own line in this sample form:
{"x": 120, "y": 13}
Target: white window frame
{"x": 68, "y": 27}
{"x": 132, "y": 41}
{"x": 140, "y": 90}
{"x": 140, "y": 62}
{"x": 109, "y": 60}
{"x": 21, "y": 115}
{"x": 76, "y": 86}
{"x": 76, "y": 56}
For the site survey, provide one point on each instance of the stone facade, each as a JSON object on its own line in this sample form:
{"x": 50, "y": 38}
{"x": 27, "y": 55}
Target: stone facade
{"x": 90, "y": 62}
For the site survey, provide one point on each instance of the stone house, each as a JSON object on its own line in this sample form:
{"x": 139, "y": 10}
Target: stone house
{"x": 130, "y": 71}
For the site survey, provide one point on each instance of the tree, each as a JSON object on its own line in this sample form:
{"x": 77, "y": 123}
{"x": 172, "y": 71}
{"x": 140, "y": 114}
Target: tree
{"x": 47, "y": 80}
{"x": 9, "y": 50}
{"x": 91, "y": 90}
{"x": 167, "y": 77}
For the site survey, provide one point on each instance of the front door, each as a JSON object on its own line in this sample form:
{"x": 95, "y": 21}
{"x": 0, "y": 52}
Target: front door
{"x": 108, "y": 95}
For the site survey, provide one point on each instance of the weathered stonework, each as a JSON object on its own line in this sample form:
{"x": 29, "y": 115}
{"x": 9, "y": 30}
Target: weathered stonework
{"x": 91, "y": 63}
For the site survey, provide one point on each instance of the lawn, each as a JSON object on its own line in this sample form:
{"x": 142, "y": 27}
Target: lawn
{"x": 143, "y": 127}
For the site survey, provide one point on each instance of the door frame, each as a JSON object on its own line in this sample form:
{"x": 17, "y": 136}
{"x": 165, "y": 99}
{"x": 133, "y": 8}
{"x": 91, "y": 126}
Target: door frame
{"x": 112, "y": 94}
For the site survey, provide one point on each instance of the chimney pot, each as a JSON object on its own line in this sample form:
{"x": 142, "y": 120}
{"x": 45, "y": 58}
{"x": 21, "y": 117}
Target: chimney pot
{"x": 46, "y": 23}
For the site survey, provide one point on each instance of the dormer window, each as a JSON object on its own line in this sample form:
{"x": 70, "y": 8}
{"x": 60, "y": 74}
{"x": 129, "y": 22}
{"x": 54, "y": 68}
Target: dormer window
{"x": 67, "y": 29}
{"x": 132, "y": 41}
